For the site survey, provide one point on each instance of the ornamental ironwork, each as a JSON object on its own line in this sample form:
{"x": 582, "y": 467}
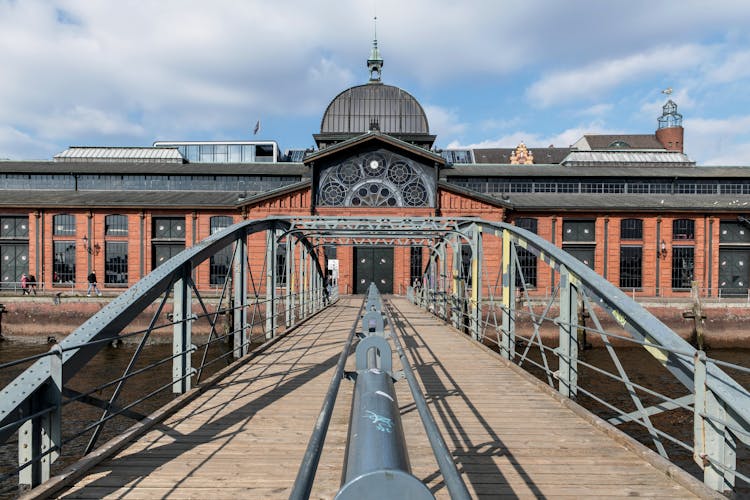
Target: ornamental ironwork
{"x": 376, "y": 179}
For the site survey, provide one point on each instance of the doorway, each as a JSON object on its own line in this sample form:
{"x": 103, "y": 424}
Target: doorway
{"x": 373, "y": 264}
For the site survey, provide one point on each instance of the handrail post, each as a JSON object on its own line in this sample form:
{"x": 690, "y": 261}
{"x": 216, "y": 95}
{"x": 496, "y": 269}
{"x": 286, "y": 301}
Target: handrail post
{"x": 567, "y": 351}
{"x": 432, "y": 285}
{"x": 475, "y": 313}
{"x": 443, "y": 309}
{"x": 508, "y": 326}
{"x": 289, "y": 270}
{"x": 712, "y": 442}
{"x": 270, "y": 283}
{"x": 40, "y": 438}
{"x": 303, "y": 282}
{"x": 457, "y": 289}
{"x": 182, "y": 333}
{"x": 312, "y": 305}
{"x": 239, "y": 307}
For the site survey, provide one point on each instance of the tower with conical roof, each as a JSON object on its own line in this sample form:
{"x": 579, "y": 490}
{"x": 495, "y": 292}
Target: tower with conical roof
{"x": 670, "y": 132}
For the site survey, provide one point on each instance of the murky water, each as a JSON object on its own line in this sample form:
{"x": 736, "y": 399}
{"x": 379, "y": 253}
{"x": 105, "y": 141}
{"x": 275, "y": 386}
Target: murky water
{"x": 641, "y": 367}
{"x": 109, "y": 363}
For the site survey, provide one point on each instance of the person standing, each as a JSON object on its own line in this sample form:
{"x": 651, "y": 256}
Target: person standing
{"x": 92, "y": 285}
{"x": 24, "y": 284}
{"x": 31, "y": 283}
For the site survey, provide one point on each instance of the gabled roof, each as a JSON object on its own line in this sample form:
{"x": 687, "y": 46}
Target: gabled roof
{"x": 588, "y": 202}
{"x": 142, "y": 199}
{"x": 131, "y": 167}
{"x": 120, "y": 154}
{"x": 260, "y": 197}
{"x": 600, "y": 142}
{"x": 502, "y": 155}
{"x": 495, "y": 201}
{"x": 370, "y": 137}
{"x": 627, "y": 157}
{"x": 574, "y": 172}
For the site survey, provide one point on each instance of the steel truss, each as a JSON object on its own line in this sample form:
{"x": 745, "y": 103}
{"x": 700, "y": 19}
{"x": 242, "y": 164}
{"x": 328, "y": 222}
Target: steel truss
{"x": 257, "y": 301}
{"x": 497, "y": 306}
{"x": 475, "y": 278}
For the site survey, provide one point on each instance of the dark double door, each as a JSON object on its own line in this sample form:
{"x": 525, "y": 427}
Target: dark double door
{"x": 734, "y": 271}
{"x": 14, "y": 261}
{"x": 584, "y": 253}
{"x": 373, "y": 264}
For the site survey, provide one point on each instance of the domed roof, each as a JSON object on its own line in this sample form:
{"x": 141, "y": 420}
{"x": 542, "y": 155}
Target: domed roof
{"x": 374, "y": 106}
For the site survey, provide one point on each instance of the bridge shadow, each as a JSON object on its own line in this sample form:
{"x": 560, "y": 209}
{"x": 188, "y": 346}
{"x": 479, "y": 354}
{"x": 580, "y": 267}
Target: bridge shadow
{"x": 475, "y": 459}
{"x": 172, "y": 444}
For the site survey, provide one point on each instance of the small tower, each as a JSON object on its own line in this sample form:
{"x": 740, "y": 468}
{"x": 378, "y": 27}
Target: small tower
{"x": 670, "y": 132}
{"x": 375, "y": 62}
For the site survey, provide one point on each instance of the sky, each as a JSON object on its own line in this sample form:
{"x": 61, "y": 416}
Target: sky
{"x": 489, "y": 73}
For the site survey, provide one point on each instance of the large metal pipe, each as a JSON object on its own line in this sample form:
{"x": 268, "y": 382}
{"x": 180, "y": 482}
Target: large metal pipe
{"x": 377, "y": 464}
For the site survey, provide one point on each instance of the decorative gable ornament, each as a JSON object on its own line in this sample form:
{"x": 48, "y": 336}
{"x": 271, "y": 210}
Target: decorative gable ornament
{"x": 521, "y": 156}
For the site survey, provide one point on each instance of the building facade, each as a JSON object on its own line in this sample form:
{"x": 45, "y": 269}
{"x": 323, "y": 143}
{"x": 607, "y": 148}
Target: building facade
{"x": 632, "y": 207}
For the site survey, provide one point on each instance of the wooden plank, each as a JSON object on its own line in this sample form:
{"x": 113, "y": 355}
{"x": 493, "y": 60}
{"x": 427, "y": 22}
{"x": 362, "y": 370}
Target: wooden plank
{"x": 246, "y": 436}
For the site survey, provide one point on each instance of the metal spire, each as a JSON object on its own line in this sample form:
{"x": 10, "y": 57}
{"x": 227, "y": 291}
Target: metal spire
{"x": 375, "y": 62}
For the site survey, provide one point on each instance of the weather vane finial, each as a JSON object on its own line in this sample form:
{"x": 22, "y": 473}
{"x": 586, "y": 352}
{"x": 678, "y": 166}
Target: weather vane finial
{"x": 375, "y": 62}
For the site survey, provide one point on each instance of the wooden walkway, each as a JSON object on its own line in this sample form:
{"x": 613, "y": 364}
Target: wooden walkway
{"x": 246, "y": 437}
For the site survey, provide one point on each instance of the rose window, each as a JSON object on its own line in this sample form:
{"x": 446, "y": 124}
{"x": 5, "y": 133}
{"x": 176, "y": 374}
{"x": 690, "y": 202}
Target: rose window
{"x": 373, "y": 180}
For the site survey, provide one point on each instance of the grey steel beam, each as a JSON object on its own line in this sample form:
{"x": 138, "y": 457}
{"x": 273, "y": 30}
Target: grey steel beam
{"x": 303, "y": 300}
{"x": 567, "y": 351}
{"x": 239, "y": 306}
{"x": 270, "y": 283}
{"x": 475, "y": 309}
{"x": 40, "y": 437}
{"x": 638, "y": 322}
{"x": 78, "y": 347}
{"x": 457, "y": 289}
{"x": 288, "y": 264}
{"x": 508, "y": 323}
{"x": 182, "y": 343}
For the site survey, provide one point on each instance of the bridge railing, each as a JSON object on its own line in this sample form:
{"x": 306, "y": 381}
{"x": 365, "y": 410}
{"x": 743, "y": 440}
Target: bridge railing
{"x": 498, "y": 306}
{"x": 42, "y": 409}
{"x": 376, "y": 464}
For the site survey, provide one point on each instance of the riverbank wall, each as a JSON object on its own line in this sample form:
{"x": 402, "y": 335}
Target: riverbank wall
{"x": 35, "y": 319}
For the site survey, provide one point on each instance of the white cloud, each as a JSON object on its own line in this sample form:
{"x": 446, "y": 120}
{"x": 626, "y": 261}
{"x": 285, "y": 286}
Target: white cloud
{"x": 718, "y": 141}
{"x": 444, "y": 122}
{"x": 592, "y": 80}
{"x": 76, "y": 71}
{"x": 532, "y": 140}
{"x": 15, "y": 144}
{"x": 596, "y": 110}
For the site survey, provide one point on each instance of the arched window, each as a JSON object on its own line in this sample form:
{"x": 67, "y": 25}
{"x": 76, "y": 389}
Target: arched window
{"x": 116, "y": 225}
{"x": 220, "y": 222}
{"x": 683, "y": 229}
{"x": 631, "y": 229}
{"x": 376, "y": 179}
{"x": 64, "y": 225}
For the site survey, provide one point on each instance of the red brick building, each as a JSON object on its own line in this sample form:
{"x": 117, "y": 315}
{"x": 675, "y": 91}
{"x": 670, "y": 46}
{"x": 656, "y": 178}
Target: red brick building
{"x": 633, "y": 207}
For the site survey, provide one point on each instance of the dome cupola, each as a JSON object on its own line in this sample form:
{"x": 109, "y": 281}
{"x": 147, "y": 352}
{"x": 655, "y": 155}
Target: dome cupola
{"x": 374, "y": 106}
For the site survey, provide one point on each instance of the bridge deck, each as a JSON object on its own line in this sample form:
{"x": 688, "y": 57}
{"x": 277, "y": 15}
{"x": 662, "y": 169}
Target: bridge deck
{"x": 246, "y": 437}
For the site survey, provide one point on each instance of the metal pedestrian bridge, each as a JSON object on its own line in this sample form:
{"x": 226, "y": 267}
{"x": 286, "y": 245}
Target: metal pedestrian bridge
{"x": 471, "y": 384}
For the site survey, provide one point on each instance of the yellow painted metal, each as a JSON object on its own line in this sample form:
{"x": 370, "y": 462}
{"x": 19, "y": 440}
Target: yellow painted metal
{"x": 474, "y": 281}
{"x": 506, "y": 270}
